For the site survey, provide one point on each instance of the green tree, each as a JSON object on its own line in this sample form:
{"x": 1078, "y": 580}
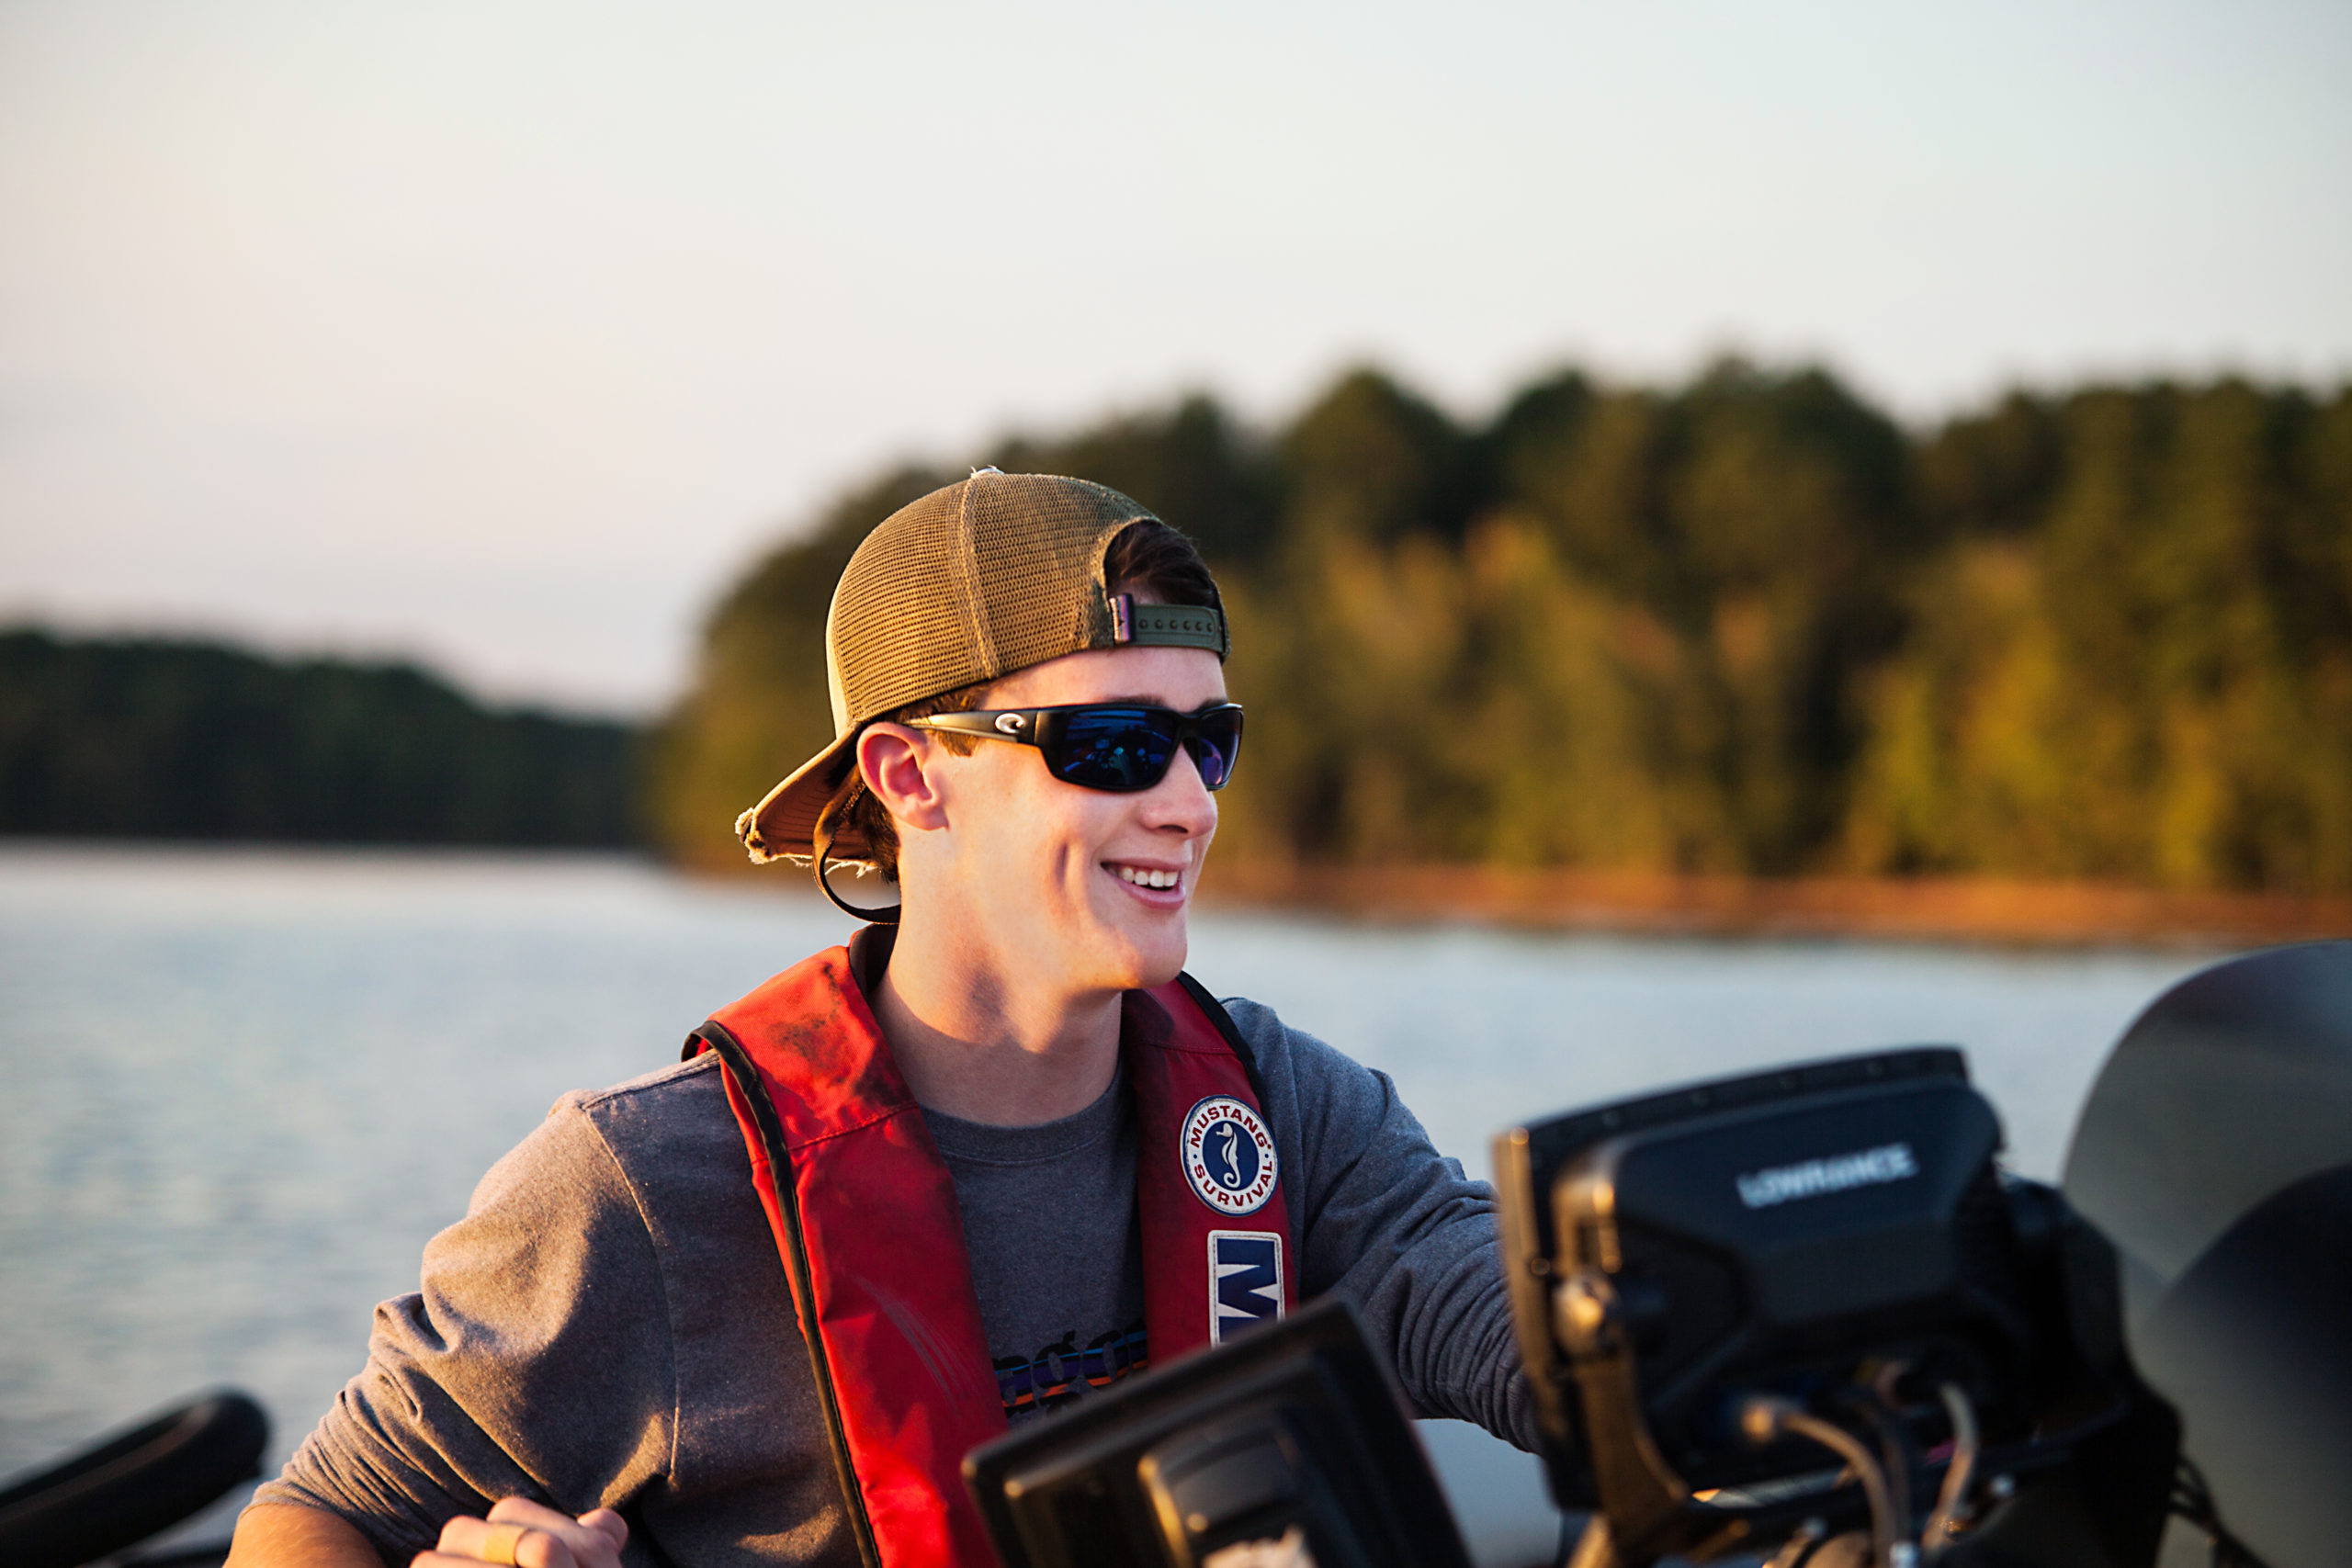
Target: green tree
{"x": 149, "y": 738}
{"x": 1744, "y": 626}
{"x": 2147, "y": 680}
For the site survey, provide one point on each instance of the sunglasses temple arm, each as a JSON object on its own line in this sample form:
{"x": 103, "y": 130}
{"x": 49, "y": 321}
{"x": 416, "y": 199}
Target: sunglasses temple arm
{"x": 979, "y": 724}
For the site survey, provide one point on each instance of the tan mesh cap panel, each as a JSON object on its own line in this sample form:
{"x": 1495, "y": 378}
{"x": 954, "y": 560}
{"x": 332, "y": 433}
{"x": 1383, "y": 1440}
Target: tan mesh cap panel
{"x": 971, "y": 583}
{"x": 989, "y": 575}
{"x": 1038, "y": 552}
{"x": 901, "y": 627}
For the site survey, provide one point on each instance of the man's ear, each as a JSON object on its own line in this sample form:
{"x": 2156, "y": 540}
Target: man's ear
{"x": 895, "y": 762}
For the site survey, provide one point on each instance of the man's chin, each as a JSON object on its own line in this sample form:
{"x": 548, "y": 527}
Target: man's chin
{"x": 1152, "y": 962}
{"x": 1142, "y": 948}
{"x": 1160, "y": 975}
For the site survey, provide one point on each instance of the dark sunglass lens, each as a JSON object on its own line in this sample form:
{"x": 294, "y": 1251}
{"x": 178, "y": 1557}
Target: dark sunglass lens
{"x": 1115, "y": 749}
{"x": 1216, "y": 746}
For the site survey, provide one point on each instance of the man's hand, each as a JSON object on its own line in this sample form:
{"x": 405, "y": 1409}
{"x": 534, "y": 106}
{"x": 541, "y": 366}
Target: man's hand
{"x": 530, "y": 1537}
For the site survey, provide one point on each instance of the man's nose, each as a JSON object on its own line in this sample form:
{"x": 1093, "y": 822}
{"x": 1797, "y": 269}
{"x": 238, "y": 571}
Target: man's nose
{"x": 1181, "y": 801}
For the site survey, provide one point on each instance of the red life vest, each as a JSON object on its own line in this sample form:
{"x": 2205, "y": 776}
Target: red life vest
{"x": 873, "y": 1242}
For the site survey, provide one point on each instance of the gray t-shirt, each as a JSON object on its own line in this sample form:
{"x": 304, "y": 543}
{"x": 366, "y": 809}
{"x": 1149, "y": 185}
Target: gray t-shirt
{"x": 1056, "y": 1249}
{"x": 610, "y": 1327}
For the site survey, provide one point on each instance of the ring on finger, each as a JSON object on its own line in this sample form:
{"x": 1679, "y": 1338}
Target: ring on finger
{"x": 500, "y": 1544}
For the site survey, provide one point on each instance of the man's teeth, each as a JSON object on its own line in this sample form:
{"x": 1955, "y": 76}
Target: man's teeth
{"x": 1143, "y": 878}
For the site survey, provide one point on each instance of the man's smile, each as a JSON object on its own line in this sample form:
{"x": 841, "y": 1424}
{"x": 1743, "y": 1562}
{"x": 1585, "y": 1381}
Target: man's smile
{"x": 1166, "y": 881}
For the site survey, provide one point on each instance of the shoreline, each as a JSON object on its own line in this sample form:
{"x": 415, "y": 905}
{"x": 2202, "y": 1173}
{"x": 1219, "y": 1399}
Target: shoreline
{"x": 1995, "y": 911}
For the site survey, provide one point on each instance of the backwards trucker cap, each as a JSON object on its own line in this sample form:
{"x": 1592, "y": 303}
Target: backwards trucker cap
{"x": 968, "y": 584}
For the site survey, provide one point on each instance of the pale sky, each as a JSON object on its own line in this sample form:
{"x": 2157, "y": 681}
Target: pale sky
{"x": 504, "y": 334}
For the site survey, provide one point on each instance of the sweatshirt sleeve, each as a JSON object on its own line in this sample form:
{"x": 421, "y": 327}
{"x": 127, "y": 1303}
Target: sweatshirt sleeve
{"x": 525, "y": 1364}
{"x": 1398, "y": 1229}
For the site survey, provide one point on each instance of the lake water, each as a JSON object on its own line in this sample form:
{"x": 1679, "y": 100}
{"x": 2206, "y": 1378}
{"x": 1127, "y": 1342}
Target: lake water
{"x": 243, "y": 1087}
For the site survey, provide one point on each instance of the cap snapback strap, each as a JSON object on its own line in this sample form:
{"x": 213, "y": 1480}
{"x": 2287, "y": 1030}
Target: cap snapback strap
{"x": 1168, "y": 625}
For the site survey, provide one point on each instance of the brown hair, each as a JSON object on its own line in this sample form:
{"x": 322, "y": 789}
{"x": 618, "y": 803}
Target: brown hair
{"x": 1146, "y": 558}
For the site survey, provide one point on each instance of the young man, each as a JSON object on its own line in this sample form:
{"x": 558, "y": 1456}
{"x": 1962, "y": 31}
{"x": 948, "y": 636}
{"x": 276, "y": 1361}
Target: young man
{"x": 990, "y": 1157}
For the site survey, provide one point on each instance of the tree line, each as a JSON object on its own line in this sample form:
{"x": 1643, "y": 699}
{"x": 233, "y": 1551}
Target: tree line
{"x": 1748, "y": 626}
{"x": 149, "y": 738}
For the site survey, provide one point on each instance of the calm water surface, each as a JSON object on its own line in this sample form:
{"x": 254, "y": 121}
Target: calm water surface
{"x": 243, "y": 1087}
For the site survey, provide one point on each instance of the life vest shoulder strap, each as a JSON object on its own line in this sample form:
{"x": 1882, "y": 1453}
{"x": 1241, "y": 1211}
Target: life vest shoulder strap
{"x": 1230, "y": 1031}
{"x": 779, "y": 1195}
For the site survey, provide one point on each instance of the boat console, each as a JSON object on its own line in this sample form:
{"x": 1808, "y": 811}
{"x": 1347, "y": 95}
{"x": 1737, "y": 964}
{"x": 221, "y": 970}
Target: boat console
{"x": 1805, "y": 1316}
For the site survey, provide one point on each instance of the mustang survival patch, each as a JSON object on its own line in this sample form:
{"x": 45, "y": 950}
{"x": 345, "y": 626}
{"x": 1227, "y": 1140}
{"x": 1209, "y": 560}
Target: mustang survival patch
{"x": 1229, "y": 1155}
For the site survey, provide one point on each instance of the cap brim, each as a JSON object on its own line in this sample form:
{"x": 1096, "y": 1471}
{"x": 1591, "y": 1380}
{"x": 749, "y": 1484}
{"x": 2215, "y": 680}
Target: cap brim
{"x": 782, "y": 825}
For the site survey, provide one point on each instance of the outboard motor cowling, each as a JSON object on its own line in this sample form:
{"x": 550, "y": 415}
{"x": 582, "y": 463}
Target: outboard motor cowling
{"x": 2215, "y": 1151}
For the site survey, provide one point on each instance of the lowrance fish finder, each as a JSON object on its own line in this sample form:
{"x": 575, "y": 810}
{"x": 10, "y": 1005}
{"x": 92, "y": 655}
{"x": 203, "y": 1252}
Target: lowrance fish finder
{"x": 1809, "y": 1301}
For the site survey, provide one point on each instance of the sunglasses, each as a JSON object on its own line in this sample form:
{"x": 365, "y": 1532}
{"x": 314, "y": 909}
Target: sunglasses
{"x": 1119, "y": 747}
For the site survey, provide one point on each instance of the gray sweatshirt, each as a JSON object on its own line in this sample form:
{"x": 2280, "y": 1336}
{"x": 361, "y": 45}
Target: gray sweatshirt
{"x": 610, "y": 1326}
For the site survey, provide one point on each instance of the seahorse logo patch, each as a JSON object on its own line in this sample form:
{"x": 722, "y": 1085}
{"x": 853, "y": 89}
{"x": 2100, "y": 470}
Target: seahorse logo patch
{"x": 1229, "y": 1155}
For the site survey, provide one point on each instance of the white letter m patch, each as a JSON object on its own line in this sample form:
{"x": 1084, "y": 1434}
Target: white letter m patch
{"x": 1245, "y": 1280}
